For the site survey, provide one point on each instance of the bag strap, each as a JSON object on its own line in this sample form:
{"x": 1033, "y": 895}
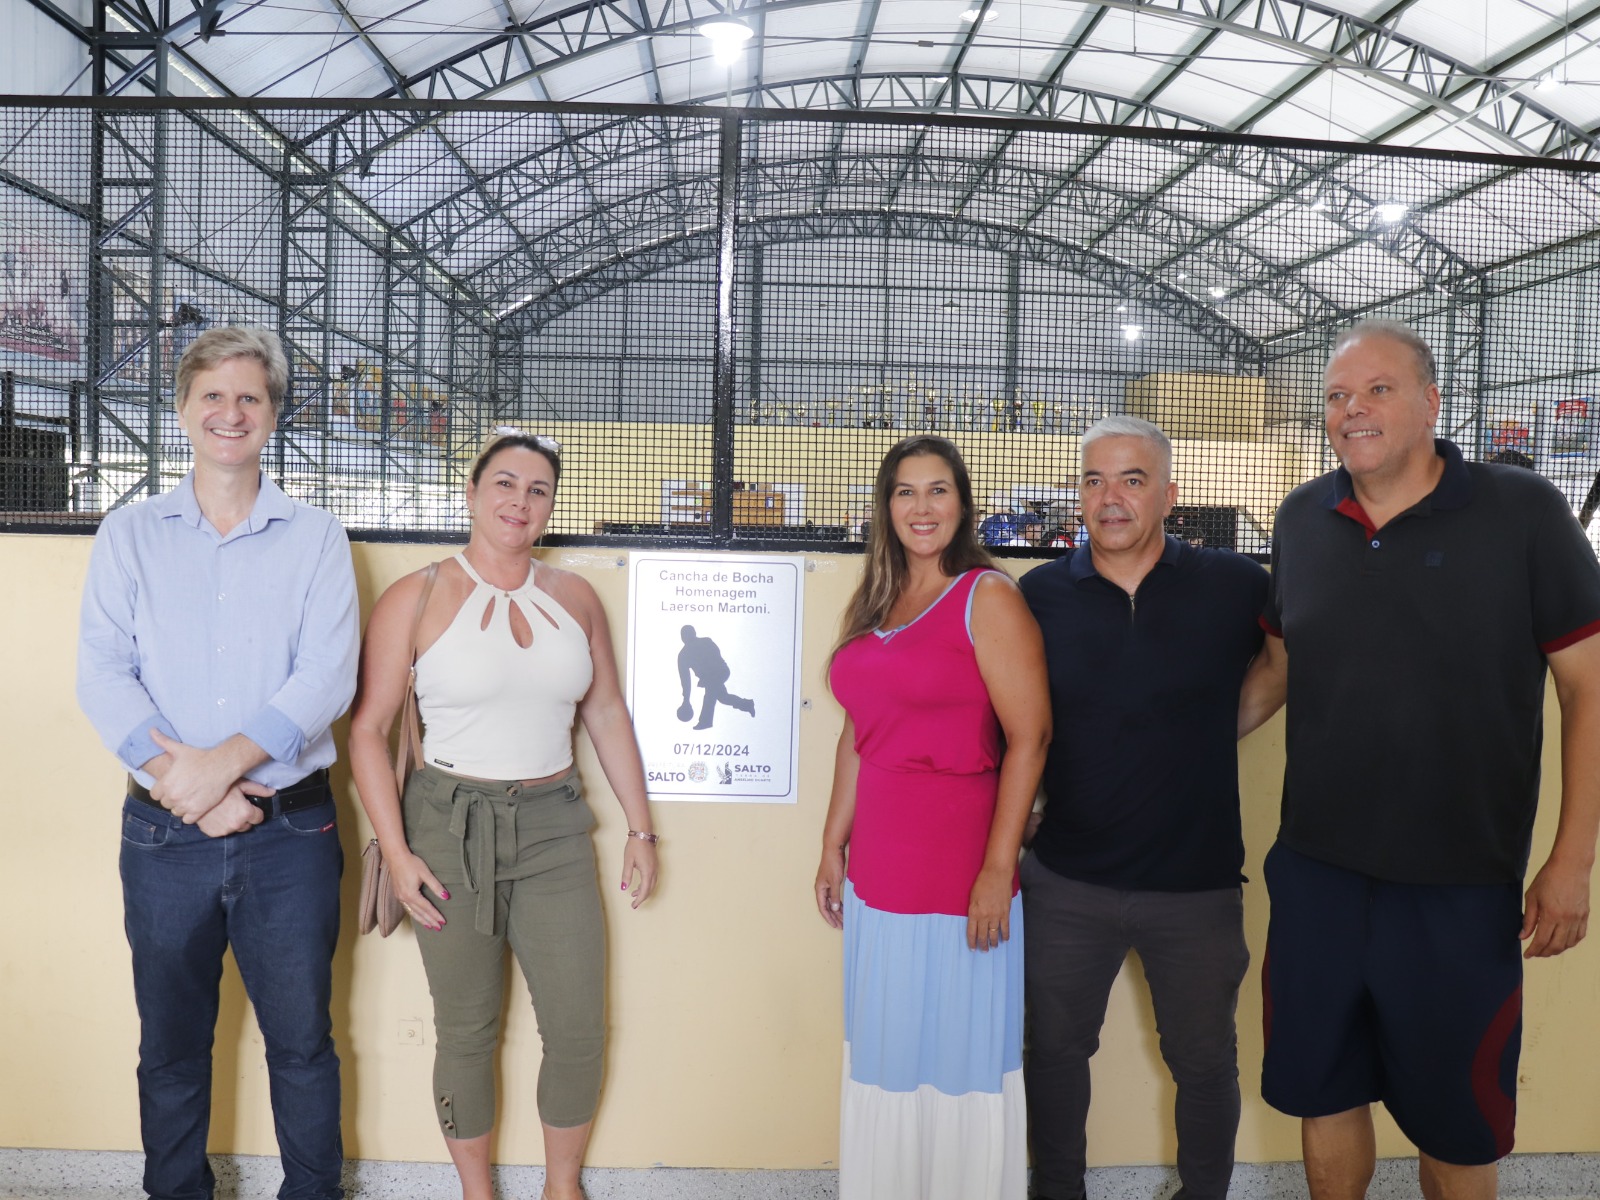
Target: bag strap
{"x": 409, "y": 753}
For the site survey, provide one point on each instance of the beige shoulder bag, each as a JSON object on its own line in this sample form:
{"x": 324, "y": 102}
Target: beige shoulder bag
{"x": 379, "y": 908}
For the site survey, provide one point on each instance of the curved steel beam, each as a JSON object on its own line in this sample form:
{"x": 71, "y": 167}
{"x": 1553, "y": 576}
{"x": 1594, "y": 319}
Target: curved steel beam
{"x": 691, "y": 201}
{"x": 538, "y": 310}
{"x": 619, "y": 138}
{"x": 353, "y": 141}
{"x": 1275, "y": 169}
{"x": 1574, "y": 18}
{"x": 1422, "y": 75}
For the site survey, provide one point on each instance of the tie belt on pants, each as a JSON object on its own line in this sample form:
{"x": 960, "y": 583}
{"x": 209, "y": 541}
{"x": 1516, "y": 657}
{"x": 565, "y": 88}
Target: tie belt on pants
{"x": 483, "y": 816}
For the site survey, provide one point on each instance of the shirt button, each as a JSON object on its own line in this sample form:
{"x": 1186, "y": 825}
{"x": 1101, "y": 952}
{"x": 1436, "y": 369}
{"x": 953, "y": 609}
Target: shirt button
{"x": 222, "y": 595}
{"x": 1376, "y": 544}
{"x": 220, "y": 649}
{"x": 220, "y": 703}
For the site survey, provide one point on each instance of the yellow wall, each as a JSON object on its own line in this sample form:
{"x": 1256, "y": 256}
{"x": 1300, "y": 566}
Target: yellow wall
{"x": 1191, "y": 404}
{"x": 613, "y": 465}
{"x": 724, "y": 988}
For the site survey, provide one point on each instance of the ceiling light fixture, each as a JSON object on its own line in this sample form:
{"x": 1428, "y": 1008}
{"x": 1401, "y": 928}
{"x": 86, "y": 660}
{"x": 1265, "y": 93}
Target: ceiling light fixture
{"x": 971, "y": 15}
{"x": 1391, "y": 213}
{"x": 1122, "y": 308}
{"x": 1548, "y": 83}
{"x": 1218, "y": 293}
{"x": 1130, "y": 333}
{"x": 728, "y": 40}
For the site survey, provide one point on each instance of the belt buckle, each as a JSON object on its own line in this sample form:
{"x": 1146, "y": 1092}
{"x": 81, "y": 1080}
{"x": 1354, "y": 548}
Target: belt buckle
{"x": 265, "y": 804}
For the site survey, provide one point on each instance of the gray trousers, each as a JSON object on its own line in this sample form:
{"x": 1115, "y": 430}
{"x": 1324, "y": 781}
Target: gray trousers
{"x": 1194, "y": 955}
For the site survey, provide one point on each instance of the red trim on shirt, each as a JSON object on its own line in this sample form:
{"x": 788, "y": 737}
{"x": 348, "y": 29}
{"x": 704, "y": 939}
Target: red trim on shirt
{"x": 1571, "y": 639}
{"x": 1351, "y": 508}
{"x": 1262, "y": 621}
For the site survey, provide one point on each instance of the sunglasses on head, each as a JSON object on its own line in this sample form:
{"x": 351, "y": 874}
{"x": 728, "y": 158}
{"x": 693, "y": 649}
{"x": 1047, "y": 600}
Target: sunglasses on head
{"x": 538, "y": 439}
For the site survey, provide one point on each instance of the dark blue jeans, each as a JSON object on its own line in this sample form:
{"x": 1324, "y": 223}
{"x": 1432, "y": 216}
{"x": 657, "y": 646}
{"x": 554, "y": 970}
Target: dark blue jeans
{"x": 272, "y": 893}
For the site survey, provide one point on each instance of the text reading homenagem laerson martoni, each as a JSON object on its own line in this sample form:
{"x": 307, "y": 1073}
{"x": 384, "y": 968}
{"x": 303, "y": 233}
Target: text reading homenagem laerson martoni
{"x": 721, "y": 588}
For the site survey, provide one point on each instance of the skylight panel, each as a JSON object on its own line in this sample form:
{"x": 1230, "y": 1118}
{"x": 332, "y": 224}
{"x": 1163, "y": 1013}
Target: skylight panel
{"x": 587, "y": 77}
{"x": 1361, "y": 274}
{"x": 1478, "y": 34}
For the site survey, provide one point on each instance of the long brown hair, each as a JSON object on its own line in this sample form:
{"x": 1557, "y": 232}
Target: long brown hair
{"x": 885, "y": 572}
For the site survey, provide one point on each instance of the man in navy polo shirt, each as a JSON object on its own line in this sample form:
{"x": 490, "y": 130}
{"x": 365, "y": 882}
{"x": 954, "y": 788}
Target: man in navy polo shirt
{"x": 1147, "y": 641}
{"x": 1416, "y": 603}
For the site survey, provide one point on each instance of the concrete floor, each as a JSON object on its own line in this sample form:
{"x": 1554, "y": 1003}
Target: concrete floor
{"x": 37, "y": 1174}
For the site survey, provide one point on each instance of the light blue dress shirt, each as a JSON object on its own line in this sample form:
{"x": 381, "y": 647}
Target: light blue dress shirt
{"x": 204, "y": 636}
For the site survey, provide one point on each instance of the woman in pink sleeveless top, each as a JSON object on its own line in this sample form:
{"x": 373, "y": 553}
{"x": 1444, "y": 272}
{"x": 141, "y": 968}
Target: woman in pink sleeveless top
{"x": 940, "y": 669}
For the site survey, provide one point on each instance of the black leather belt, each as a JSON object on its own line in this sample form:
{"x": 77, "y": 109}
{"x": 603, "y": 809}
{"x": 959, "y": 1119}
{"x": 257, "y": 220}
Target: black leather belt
{"x": 308, "y": 793}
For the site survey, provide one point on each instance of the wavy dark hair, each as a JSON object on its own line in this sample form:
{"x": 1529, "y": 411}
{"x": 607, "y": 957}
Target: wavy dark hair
{"x": 885, "y": 572}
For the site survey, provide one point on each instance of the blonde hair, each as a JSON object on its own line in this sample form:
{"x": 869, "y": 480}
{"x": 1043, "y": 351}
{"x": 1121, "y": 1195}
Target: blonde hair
{"x": 216, "y": 346}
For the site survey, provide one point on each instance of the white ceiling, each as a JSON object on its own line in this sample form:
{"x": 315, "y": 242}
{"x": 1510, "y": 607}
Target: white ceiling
{"x": 1455, "y": 74}
{"x": 1459, "y": 75}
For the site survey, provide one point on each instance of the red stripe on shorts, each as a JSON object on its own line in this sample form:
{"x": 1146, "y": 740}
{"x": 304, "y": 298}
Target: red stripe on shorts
{"x": 1498, "y": 1108}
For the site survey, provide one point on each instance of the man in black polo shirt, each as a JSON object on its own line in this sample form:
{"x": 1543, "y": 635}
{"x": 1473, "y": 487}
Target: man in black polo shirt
{"x": 1147, "y": 640}
{"x": 1422, "y": 598}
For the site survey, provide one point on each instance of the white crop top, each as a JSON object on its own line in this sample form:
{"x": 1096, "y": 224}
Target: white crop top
{"x": 492, "y": 708}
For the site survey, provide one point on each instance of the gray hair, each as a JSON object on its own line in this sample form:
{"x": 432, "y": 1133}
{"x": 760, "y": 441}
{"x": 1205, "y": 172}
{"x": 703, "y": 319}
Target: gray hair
{"x": 1122, "y": 425}
{"x": 1395, "y": 331}
{"x": 216, "y": 346}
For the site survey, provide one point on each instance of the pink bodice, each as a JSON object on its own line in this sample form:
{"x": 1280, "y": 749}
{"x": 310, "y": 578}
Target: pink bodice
{"x": 930, "y": 749}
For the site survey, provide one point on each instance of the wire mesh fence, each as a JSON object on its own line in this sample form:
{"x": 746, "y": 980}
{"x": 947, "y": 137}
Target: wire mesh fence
{"x": 727, "y": 317}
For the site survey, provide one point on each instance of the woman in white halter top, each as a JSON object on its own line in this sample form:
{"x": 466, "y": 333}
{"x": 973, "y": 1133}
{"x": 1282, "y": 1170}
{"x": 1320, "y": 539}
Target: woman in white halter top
{"x": 490, "y": 844}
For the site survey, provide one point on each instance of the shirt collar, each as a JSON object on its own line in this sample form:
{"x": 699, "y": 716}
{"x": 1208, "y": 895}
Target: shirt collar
{"x": 271, "y": 505}
{"x": 1454, "y": 489}
{"x": 1081, "y": 565}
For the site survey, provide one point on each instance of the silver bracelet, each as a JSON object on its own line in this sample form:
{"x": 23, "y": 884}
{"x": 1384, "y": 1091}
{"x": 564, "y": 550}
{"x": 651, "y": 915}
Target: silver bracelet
{"x": 652, "y": 838}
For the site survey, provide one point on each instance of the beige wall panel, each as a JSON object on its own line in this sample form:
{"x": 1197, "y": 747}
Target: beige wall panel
{"x": 724, "y": 988}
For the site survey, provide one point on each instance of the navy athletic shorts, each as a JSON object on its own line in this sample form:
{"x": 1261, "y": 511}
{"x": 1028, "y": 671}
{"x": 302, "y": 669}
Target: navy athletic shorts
{"x": 1406, "y": 993}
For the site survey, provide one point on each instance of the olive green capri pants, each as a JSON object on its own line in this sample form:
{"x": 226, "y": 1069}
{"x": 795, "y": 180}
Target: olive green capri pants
{"x": 519, "y": 865}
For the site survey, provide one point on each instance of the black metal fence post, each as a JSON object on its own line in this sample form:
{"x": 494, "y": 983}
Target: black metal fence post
{"x": 722, "y": 374}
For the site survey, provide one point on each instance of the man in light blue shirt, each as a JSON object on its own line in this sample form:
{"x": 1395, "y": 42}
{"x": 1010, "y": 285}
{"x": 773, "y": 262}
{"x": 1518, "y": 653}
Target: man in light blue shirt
{"x": 218, "y": 645}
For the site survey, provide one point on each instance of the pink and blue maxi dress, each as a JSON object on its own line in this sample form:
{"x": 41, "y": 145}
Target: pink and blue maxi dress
{"x": 932, "y": 1103}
